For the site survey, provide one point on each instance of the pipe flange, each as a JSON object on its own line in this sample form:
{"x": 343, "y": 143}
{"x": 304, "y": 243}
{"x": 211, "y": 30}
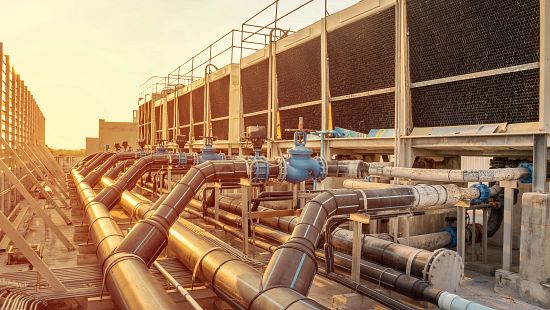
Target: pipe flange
{"x": 444, "y": 270}
{"x": 324, "y": 168}
{"x": 283, "y": 168}
{"x": 196, "y": 159}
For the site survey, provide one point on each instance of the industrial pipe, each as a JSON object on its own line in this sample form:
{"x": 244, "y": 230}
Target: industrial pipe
{"x": 88, "y": 167}
{"x": 121, "y": 279}
{"x": 445, "y": 175}
{"x": 110, "y": 195}
{"x": 93, "y": 177}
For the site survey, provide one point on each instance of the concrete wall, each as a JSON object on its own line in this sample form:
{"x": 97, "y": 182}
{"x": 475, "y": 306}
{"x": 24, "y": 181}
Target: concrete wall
{"x": 92, "y": 145}
{"x": 112, "y": 132}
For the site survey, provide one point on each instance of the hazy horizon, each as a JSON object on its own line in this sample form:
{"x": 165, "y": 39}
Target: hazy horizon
{"x": 84, "y": 60}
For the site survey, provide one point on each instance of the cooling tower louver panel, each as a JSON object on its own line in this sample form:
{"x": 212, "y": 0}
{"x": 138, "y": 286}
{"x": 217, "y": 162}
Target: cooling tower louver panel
{"x": 184, "y": 104}
{"x": 511, "y": 98}
{"x": 365, "y": 113}
{"x": 254, "y": 86}
{"x": 171, "y": 113}
{"x": 158, "y": 118}
{"x": 289, "y": 119}
{"x": 184, "y": 131}
{"x": 455, "y": 37}
{"x": 299, "y": 73}
{"x": 219, "y": 97}
{"x": 256, "y": 120}
{"x": 220, "y": 129}
{"x": 362, "y": 54}
{"x": 198, "y": 104}
{"x": 198, "y": 131}
{"x": 458, "y": 37}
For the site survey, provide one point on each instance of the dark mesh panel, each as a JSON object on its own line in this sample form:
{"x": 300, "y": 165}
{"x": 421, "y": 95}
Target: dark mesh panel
{"x": 220, "y": 129}
{"x": 171, "y": 112}
{"x": 219, "y": 97}
{"x": 512, "y": 98}
{"x": 256, "y": 120}
{"x": 183, "y": 109}
{"x": 199, "y": 131}
{"x": 365, "y": 113}
{"x": 198, "y": 104}
{"x": 158, "y": 117}
{"x": 289, "y": 119}
{"x": 299, "y": 73}
{"x": 184, "y": 131}
{"x": 254, "y": 84}
{"x": 171, "y": 134}
{"x": 362, "y": 54}
{"x": 455, "y": 37}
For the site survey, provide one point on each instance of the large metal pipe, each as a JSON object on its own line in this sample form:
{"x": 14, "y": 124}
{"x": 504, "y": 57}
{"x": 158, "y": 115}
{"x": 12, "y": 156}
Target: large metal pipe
{"x": 110, "y": 195}
{"x": 130, "y": 284}
{"x": 452, "y": 176}
{"x": 88, "y": 167}
{"x": 230, "y": 278}
{"x": 93, "y": 177}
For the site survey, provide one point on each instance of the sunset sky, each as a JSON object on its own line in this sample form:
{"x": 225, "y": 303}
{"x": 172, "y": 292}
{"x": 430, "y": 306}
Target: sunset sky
{"x": 84, "y": 60}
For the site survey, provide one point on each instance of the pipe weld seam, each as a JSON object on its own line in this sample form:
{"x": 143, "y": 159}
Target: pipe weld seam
{"x": 95, "y": 220}
{"x": 295, "y": 301}
{"x": 199, "y": 262}
{"x": 155, "y": 224}
{"x": 114, "y": 262}
{"x": 308, "y": 252}
{"x": 212, "y": 283}
{"x": 103, "y": 239}
{"x": 262, "y": 291}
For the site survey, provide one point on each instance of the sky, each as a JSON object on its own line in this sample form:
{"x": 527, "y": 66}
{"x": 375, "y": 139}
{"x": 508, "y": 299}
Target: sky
{"x": 84, "y": 60}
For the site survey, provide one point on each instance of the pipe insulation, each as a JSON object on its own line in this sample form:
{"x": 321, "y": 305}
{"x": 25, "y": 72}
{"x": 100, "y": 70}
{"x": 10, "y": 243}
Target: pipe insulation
{"x": 452, "y": 176}
{"x": 93, "y": 177}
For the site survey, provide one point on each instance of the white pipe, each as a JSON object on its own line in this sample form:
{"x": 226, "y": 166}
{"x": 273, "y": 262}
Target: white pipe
{"x": 445, "y": 175}
{"x": 178, "y": 286}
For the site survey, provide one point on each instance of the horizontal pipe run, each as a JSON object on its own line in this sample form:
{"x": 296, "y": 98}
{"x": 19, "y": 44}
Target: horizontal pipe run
{"x": 451, "y": 176}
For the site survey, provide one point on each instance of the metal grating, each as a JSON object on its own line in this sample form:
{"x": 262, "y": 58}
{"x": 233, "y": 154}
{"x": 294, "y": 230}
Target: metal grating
{"x": 220, "y": 129}
{"x": 365, "y": 113}
{"x": 299, "y": 73}
{"x": 219, "y": 97}
{"x": 455, "y": 37}
{"x": 289, "y": 119}
{"x": 183, "y": 109}
{"x": 254, "y": 86}
{"x": 362, "y": 54}
{"x": 512, "y": 98}
{"x": 198, "y": 104}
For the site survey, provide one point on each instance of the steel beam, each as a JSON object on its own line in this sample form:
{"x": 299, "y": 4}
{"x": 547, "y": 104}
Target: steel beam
{"x": 35, "y": 205}
{"x": 29, "y": 253}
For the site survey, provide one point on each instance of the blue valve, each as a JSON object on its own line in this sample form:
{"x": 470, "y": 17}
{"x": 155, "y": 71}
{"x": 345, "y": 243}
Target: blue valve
{"x": 528, "y": 178}
{"x": 300, "y": 166}
{"x": 484, "y": 193}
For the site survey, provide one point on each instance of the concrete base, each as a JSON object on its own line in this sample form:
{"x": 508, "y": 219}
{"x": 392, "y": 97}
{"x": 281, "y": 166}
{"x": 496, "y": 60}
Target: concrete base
{"x": 510, "y": 283}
